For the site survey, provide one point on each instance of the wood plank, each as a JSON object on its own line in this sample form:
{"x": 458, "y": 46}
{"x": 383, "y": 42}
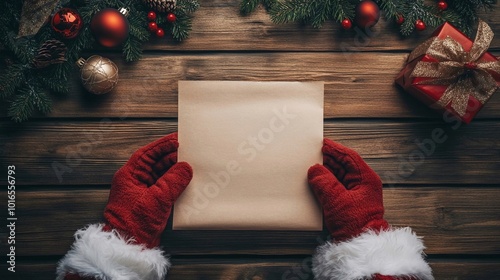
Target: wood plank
{"x": 230, "y": 31}
{"x": 453, "y": 220}
{"x": 148, "y": 88}
{"x": 217, "y": 25}
{"x": 297, "y": 268}
{"x": 90, "y": 152}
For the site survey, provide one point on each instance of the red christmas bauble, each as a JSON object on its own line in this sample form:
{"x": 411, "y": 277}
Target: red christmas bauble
{"x": 160, "y": 33}
{"x": 400, "y": 19}
{"x": 152, "y": 26}
{"x": 151, "y": 16}
{"x": 346, "y": 24}
{"x": 67, "y": 23}
{"x": 367, "y": 14}
{"x": 420, "y": 25}
{"x": 171, "y": 17}
{"x": 110, "y": 27}
{"x": 442, "y": 5}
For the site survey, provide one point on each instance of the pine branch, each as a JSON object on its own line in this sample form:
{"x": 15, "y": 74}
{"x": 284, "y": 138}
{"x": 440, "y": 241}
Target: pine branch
{"x": 132, "y": 49}
{"x": 181, "y": 27}
{"x": 188, "y": 6}
{"x": 11, "y": 80}
{"x": 22, "y": 107}
{"x": 461, "y": 13}
{"x": 54, "y": 84}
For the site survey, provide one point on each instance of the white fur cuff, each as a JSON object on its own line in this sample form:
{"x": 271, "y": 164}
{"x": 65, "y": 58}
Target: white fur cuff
{"x": 393, "y": 252}
{"x": 107, "y": 255}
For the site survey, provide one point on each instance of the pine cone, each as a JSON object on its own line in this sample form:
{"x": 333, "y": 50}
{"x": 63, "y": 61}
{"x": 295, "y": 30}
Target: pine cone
{"x": 161, "y": 6}
{"x": 50, "y": 52}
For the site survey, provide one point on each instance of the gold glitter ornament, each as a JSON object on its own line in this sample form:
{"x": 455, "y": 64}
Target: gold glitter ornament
{"x": 161, "y": 6}
{"x": 99, "y": 75}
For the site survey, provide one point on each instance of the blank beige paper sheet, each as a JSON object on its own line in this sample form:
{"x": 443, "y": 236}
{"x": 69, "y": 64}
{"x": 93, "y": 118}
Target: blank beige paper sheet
{"x": 250, "y": 145}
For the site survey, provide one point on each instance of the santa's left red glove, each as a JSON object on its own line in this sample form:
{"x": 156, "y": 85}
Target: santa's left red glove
{"x": 142, "y": 194}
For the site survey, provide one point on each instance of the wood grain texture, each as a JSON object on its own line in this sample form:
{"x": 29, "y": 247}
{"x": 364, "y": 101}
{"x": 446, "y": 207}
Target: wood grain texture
{"x": 89, "y": 152}
{"x": 217, "y": 25}
{"x": 286, "y": 269}
{"x": 292, "y": 269}
{"x": 454, "y": 220}
{"x": 65, "y": 160}
{"x": 148, "y": 88}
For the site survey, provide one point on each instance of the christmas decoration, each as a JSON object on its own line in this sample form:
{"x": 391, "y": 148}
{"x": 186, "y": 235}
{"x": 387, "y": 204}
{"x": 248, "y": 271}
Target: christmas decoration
{"x": 400, "y": 19}
{"x": 367, "y": 14}
{"x": 99, "y": 75}
{"x": 151, "y": 16}
{"x": 152, "y": 26}
{"x": 451, "y": 72}
{"x": 346, "y": 24}
{"x": 461, "y": 13}
{"x": 171, "y": 17}
{"x": 110, "y": 27}
{"x": 177, "y": 23}
{"x": 51, "y": 52}
{"x": 67, "y": 23}
{"x": 24, "y": 87}
{"x": 248, "y": 6}
{"x": 160, "y": 32}
{"x": 34, "y": 15}
{"x": 420, "y": 25}
{"x": 442, "y": 5}
{"x": 161, "y": 5}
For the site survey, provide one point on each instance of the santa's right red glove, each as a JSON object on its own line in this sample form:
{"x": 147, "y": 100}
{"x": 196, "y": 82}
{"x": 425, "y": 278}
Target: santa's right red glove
{"x": 142, "y": 194}
{"x": 364, "y": 245}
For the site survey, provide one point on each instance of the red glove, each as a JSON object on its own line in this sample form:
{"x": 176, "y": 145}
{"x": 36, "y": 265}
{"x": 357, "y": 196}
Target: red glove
{"x": 144, "y": 190}
{"x": 352, "y": 198}
{"x": 364, "y": 245}
{"x": 139, "y": 205}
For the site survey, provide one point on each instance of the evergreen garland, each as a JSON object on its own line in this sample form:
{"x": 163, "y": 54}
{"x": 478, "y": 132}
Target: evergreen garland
{"x": 460, "y": 13}
{"x": 25, "y": 88}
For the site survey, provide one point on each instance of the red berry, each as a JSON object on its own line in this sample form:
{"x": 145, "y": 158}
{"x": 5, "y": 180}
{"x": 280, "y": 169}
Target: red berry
{"x": 442, "y": 5}
{"x": 171, "y": 17}
{"x": 420, "y": 25}
{"x": 152, "y": 26}
{"x": 151, "y": 16}
{"x": 346, "y": 24}
{"x": 400, "y": 19}
{"x": 160, "y": 32}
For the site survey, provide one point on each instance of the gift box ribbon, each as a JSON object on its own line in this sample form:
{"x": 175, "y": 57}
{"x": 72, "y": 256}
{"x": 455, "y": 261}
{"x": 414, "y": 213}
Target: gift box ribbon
{"x": 463, "y": 71}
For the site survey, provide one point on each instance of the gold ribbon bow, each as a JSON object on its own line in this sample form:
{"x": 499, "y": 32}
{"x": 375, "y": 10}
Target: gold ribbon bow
{"x": 461, "y": 70}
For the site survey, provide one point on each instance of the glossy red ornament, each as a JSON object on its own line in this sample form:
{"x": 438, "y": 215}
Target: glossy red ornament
{"x": 171, "y": 17}
{"x": 160, "y": 33}
{"x": 151, "y": 16}
{"x": 110, "y": 27}
{"x": 420, "y": 25}
{"x": 346, "y": 24}
{"x": 67, "y": 23}
{"x": 367, "y": 14}
{"x": 400, "y": 19}
{"x": 442, "y": 5}
{"x": 152, "y": 26}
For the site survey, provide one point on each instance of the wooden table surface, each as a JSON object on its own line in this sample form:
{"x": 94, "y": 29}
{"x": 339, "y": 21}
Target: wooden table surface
{"x": 65, "y": 161}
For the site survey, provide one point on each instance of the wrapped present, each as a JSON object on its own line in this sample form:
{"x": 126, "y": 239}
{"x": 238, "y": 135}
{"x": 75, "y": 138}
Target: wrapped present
{"x": 453, "y": 73}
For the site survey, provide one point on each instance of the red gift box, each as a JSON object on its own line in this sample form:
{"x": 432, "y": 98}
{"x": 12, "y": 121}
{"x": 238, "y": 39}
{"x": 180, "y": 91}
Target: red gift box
{"x": 440, "y": 85}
